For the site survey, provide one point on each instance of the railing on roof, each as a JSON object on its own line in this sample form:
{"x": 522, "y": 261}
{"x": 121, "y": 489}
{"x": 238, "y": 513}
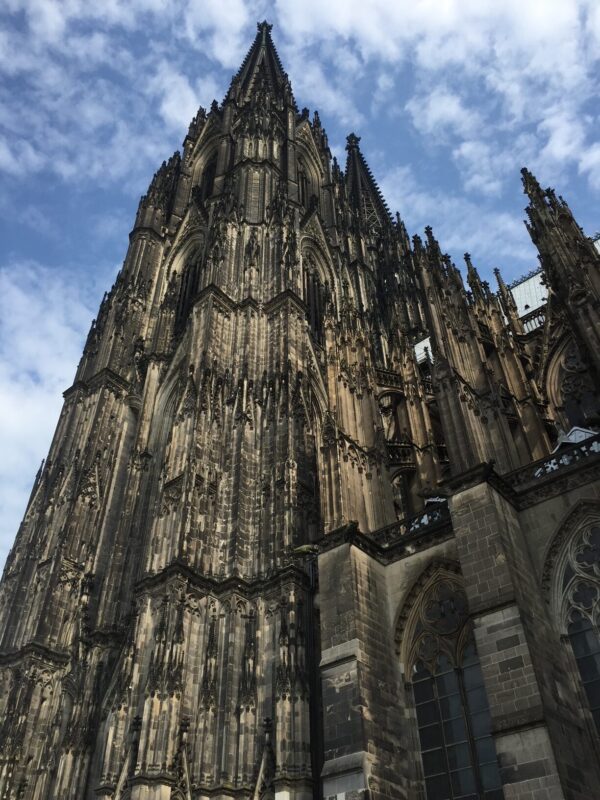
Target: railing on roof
{"x": 534, "y": 319}
{"x": 427, "y": 385}
{"x": 553, "y": 464}
{"x": 386, "y": 377}
{"x": 531, "y": 274}
{"x": 400, "y": 453}
{"x": 432, "y": 518}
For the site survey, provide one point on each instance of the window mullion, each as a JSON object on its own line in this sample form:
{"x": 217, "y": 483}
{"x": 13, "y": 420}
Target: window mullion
{"x": 442, "y": 729}
{"x": 470, "y": 736}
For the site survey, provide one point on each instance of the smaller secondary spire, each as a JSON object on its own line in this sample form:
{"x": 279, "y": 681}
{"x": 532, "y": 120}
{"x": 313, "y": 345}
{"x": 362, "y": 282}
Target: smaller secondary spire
{"x": 477, "y": 286}
{"x": 362, "y": 187}
{"x": 532, "y": 187}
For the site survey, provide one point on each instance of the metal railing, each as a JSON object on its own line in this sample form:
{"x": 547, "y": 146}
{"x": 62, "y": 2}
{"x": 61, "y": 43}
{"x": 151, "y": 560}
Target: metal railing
{"x": 426, "y": 521}
{"x": 553, "y": 464}
{"x": 400, "y": 453}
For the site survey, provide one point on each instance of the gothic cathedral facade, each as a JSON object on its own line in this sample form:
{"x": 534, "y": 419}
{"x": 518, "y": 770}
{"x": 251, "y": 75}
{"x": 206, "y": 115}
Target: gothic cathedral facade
{"x": 319, "y": 520}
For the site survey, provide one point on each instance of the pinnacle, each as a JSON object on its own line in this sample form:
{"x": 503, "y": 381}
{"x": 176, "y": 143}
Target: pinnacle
{"x": 531, "y": 186}
{"x": 264, "y": 28}
{"x": 499, "y": 279}
{"x": 471, "y": 269}
{"x": 361, "y": 183}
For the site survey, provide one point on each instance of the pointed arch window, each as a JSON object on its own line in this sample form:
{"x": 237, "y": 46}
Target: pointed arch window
{"x": 207, "y": 181}
{"x": 316, "y": 295}
{"x": 454, "y": 726}
{"x": 303, "y": 185}
{"x": 581, "y": 608}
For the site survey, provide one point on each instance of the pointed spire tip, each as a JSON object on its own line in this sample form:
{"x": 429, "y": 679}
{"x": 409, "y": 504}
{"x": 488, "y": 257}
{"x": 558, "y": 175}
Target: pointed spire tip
{"x": 264, "y": 27}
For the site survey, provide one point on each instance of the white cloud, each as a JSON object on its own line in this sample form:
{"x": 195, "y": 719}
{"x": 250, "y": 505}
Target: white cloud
{"x": 19, "y": 157}
{"x": 219, "y": 27}
{"x": 589, "y": 164}
{"x": 460, "y": 224}
{"x": 484, "y": 167}
{"x": 333, "y": 97}
{"x": 485, "y": 72}
{"x": 178, "y": 102}
{"x": 564, "y": 135}
{"x": 442, "y": 112}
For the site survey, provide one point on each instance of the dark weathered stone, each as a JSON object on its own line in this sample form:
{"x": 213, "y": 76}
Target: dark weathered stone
{"x": 228, "y": 568}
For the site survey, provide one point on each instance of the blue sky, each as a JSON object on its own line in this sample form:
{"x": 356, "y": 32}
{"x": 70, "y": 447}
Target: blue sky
{"x": 450, "y": 97}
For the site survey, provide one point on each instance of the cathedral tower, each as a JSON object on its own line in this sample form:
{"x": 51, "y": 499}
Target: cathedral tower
{"x": 251, "y": 532}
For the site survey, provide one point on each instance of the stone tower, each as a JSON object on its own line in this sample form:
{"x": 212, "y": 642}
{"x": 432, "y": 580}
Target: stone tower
{"x": 289, "y": 489}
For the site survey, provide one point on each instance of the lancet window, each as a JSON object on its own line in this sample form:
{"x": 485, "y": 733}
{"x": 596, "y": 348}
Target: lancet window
{"x": 303, "y": 186}
{"x": 401, "y": 486}
{"x": 208, "y": 178}
{"x": 570, "y": 388}
{"x": 454, "y": 726}
{"x": 315, "y": 297}
{"x": 581, "y": 610}
{"x": 306, "y": 187}
{"x": 188, "y": 284}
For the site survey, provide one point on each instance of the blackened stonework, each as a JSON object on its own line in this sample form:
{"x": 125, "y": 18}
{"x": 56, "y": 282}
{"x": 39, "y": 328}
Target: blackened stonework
{"x": 319, "y": 519}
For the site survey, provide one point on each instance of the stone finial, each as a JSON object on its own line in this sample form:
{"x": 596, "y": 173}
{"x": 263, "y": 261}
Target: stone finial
{"x": 531, "y": 186}
{"x": 264, "y": 27}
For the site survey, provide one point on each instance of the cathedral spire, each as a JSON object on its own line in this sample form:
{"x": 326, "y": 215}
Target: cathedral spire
{"x": 262, "y": 63}
{"x": 475, "y": 283}
{"x": 363, "y": 191}
{"x": 570, "y": 262}
{"x": 532, "y": 188}
{"x": 507, "y": 302}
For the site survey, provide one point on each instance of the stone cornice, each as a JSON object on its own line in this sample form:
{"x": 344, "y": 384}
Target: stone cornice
{"x": 287, "y": 296}
{"x": 34, "y": 650}
{"x": 480, "y": 473}
{"x": 394, "y": 542}
{"x": 218, "y": 587}
{"x": 104, "y": 378}
{"x": 548, "y": 477}
{"x": 148, "y": 230}
{"x": 270, "y": 306}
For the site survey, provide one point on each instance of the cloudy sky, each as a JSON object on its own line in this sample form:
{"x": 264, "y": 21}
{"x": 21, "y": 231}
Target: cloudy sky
{"x": 450, "y": 97}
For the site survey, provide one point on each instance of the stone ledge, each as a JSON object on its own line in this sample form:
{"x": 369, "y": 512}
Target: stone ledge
{"x": 345, "y": 777}
{"x": 348, "y": 763}
{"x": 347, "y": 651}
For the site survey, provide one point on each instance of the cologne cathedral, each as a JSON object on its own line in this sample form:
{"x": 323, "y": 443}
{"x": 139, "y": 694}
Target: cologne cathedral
{"x": 320, "y": 519}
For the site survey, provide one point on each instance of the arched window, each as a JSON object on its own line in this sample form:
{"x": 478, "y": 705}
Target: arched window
{"x": 316, "y": 295}
{"x": 303, "y": 189}
{"x": 207, "y": 181}
{"x": 453, "y": 719}
{"x": 307, "y": 187}
{"x": 570, "y": 388}
{"x": 581, "y": 609}
{"x": 188, "y": 283}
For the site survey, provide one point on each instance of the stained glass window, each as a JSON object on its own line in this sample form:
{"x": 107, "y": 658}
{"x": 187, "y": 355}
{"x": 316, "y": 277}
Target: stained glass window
{"x": 581, "y": 586}
{"x": 457, "y": 749}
